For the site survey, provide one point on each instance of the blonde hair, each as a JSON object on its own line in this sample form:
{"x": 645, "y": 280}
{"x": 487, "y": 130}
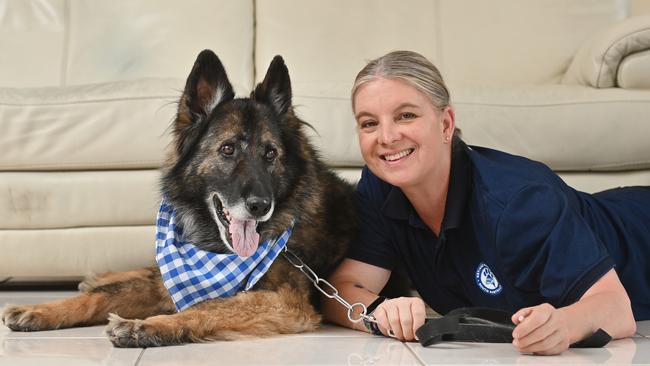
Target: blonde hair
{"x": 414, "y": 69}
{"x": 410, "y": 67}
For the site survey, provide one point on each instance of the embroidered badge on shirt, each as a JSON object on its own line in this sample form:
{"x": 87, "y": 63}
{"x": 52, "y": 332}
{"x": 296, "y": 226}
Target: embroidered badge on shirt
{"x": 192, "y": 275}
{"x": 486, "y": 280}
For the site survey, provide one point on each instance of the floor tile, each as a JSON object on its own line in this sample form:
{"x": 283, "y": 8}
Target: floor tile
{"x": 630, "y": 351}
{"x": 329, "y": 330}
{"x": 82, "y": 332}
{"x": 643, "y": 328}
{"x": 24, "y": 297}
{"x": 286, "y": 350}
{"x": 329, "y": 345}
{"x": 21, "y": 297}
{"x": 65, "y": 351}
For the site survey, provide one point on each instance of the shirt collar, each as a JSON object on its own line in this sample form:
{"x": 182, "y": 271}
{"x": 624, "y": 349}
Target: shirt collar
{"x": 397, "y": 205}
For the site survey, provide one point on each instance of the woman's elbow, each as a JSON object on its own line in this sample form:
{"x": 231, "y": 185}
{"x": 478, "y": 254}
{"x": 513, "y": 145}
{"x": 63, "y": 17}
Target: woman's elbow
{"x": 627, "y": 323}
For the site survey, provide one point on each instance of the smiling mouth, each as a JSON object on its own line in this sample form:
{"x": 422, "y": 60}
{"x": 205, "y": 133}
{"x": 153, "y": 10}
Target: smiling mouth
{"x": 239, "y": 235}
{"x": 397, "y": 156}
{"x": 222, "y": 214}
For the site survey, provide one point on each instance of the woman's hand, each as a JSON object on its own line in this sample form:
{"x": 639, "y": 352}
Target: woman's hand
{"x": 541, "y": 329}
{"x": 546, "y": 330}
{"x": 402, "y": 316}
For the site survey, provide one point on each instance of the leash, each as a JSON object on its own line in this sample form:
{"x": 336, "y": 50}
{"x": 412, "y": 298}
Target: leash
{"x": 485, "y": 325}
{"x": 330, "y": 291}
{"x": 462, "y": 325}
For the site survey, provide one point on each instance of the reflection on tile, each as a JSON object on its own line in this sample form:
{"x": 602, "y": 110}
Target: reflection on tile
{"x": 643, "y": 328}
{"x": 62, "y": 351}
{"x": 33, "y": 297}
{"x": 328, "y": 345}
{"x": 82, "y": 332}
{"x": 630, "y": 351}
{"x": 286, "y": 350}
{"x": 330, "y": 330}
{"x": 23, "y": 298}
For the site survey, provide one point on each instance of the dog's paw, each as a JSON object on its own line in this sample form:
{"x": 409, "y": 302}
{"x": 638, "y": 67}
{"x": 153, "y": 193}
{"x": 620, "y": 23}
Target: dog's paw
{"x": 26, "y": 318}
{"x": 133, "y": 333}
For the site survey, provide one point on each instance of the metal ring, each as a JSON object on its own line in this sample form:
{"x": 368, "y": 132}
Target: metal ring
{"x": 361, "y": 314}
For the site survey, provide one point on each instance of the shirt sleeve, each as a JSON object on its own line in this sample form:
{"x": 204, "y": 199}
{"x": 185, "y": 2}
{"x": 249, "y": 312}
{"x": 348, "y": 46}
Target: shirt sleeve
{"x": 548, "y": 248}
{"x": 374, "y": 245}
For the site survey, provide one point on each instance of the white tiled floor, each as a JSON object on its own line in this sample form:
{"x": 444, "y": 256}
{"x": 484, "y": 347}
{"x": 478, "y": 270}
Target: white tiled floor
{"x": 328, "y": 346}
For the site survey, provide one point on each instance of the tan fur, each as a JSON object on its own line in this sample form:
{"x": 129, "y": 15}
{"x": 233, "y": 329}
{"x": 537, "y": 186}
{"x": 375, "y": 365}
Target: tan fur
{"x": 125, "y": 298}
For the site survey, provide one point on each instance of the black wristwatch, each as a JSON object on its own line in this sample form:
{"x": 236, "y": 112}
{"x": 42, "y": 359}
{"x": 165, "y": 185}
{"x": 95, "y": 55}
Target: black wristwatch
{"x": 372, "y": 326}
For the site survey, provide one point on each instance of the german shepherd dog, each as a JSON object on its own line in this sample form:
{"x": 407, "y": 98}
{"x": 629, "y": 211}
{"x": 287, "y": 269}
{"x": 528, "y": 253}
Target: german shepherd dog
{"x": 246, "y": 162}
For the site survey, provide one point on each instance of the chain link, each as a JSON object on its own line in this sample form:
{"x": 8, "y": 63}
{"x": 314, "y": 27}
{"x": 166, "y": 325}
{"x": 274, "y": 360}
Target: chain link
{"x": 327, "y": 288}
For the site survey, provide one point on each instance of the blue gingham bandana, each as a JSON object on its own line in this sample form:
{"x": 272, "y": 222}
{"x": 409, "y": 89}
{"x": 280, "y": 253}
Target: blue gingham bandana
{"x": 192, "y": 275}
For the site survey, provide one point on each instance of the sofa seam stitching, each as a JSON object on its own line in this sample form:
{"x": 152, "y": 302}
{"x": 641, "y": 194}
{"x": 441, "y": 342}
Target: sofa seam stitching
{"x": 602, "y": 59}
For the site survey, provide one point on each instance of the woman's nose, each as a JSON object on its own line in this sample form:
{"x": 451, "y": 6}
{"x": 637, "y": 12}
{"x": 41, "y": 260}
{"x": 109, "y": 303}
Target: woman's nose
{"x": 388, "y": 133}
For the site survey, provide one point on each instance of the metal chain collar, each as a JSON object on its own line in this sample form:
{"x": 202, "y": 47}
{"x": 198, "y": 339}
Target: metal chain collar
{"x": 327, "y": 289}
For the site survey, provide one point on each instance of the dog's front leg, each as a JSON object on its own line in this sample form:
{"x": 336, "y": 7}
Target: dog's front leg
{"x": 131, "y": 294}
{"x": 247, "y": 314}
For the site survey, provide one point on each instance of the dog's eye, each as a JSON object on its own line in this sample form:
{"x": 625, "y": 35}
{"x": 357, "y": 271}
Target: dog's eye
{"x": 227, "y": 149}
{"x": 271, "y": 154}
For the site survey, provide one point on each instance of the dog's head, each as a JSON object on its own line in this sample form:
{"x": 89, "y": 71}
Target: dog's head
{"x": 232, "y": 159}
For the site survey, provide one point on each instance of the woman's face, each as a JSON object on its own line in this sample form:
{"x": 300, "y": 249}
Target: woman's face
{"x": 402, "y": 136}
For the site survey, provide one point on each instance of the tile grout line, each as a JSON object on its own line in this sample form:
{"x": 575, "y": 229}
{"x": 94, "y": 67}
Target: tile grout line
{"x": 137, "y": 362}
{"x": 49, "y": 338}
{"x": 421, "y": 361}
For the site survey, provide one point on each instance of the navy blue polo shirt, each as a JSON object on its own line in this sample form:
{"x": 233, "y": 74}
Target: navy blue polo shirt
{"x": 513, "y": 235}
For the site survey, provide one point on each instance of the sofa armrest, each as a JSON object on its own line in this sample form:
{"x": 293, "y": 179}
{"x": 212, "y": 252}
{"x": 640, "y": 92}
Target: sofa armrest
{"x": 602, "y": 62}
{"x": 634, "y": 71}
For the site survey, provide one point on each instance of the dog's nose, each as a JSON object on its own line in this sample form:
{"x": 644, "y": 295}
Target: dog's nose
{"x": 258, "y": 206}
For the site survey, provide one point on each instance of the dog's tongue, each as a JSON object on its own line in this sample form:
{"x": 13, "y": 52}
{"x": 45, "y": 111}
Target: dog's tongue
{"x": 244, "y": 236}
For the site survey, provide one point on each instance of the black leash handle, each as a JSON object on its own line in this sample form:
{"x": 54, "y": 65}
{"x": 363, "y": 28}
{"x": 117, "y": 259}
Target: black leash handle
{"x": 486, "y": 326}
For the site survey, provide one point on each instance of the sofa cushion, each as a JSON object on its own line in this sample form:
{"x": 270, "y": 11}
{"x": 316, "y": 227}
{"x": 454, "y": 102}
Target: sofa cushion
{"x": 120, "y": 125}
{"x": 570, "y": 128}
{"x": 479, "y": 56}
{"x": 72, "y": 42}
{"x": 76, "y": 252}
{"x": 33, "y": 42}
{"x": 51, "y": 200}
{"x": 472, "y": 42}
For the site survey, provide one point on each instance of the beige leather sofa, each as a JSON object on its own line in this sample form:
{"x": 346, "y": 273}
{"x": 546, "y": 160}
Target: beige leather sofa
{"x": 88, "y": 90}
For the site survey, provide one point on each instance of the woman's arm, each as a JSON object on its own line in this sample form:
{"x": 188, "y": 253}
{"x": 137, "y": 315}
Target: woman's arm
{"x": 546, "y": 330}
{"x": 356, "y": 282}
{"x": 361, "y": 282}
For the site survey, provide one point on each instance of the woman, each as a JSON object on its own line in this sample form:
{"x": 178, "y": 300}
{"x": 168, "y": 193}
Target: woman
{"x": 478, "y": 227}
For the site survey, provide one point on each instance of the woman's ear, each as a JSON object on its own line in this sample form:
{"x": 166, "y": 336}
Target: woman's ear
{"x": 448, "y": 120}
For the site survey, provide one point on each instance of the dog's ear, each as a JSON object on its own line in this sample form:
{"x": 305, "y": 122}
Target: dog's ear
{"x": 207, "y": 86}
{"x": 275, "y": 89}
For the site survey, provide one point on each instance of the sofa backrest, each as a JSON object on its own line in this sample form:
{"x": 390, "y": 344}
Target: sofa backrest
{"x": 75, "y": 42}
{"x": 501, "y": 42}
{"x": 488, "y": 51}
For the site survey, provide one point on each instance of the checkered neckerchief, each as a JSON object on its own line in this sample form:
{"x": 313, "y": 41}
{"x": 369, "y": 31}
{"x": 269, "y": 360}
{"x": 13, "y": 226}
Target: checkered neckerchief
{"x": 192, "y": 275}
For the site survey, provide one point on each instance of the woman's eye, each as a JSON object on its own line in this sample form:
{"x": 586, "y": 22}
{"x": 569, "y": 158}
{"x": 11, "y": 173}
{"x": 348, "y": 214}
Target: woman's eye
{"x": 227, "y": 149}
{"x": 367, "y": 124}
{"x": 407, "y": 115}
{"x": 271, "y": 154}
